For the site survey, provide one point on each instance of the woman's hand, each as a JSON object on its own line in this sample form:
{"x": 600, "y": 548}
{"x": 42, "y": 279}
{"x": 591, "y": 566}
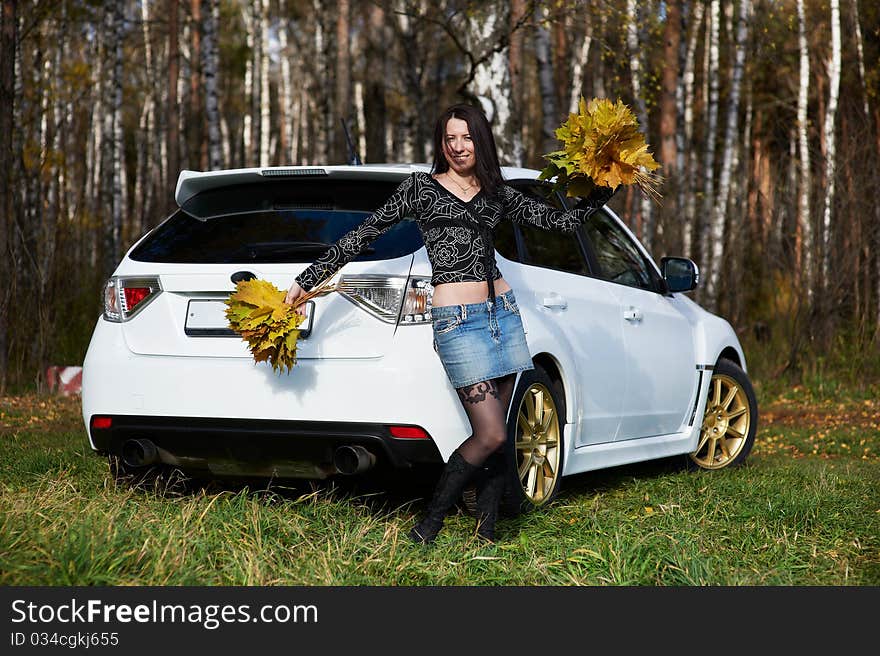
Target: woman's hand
{"x": 293, "y": 294}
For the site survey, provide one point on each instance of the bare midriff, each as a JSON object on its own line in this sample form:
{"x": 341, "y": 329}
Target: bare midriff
{"x": 464, "y": 293}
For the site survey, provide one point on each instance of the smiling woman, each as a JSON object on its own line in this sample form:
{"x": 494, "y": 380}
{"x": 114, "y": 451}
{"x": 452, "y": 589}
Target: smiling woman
{"x": 484, "y": 348}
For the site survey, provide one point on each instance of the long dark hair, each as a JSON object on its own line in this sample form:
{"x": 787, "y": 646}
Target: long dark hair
{"x": 488, "y": 170}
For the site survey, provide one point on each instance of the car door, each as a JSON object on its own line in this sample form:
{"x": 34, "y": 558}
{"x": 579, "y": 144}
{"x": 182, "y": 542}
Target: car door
{"x": 658, "y": 339}
{"x": 585, "y": 313}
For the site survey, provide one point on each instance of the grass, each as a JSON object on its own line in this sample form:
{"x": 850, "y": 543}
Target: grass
{"x": 804, "y": 511}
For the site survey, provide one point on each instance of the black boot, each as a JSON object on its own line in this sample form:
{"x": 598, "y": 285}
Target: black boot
{"x": 489, "y": 493}
{"x": 455, "y": 476}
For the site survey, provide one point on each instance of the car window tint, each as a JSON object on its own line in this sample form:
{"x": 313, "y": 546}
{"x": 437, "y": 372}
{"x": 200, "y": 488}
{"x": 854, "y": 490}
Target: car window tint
{"x": 617, "y": 257}
{"x": 505, "y": 241}
{"x": 268, "y": 225}
{"x": 546, "y": 248}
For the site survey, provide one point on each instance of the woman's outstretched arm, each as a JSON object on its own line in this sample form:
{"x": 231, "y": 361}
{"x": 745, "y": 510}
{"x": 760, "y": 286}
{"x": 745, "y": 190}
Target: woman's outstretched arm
{"x": 523, "y": 209}
{"x": 352, "y": 243}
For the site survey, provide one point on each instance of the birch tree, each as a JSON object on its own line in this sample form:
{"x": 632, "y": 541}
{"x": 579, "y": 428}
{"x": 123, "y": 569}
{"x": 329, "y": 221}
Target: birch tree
{"x": 685, "y": 98}
{"x": 830, "y": 143}
{"x": 143, "y": 183}
{"x": 579, "y": 65}
{"x": 286, "y": 110}
{"x": 491, "y": 79}
{"x": 210, "y": 62}
{"x": 635, "y": 69}
{"x": 247, "y": 15}
{"x": 711, "y": 111}
{"x": 719, "y": 212}
{"x": 803, "y": 215}
{"x": 118, "y": 171}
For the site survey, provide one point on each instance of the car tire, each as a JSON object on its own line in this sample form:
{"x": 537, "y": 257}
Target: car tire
{"x": 730, "y": 420}
{"x": 535, "y": 449}
{"x": 520, "y": 490}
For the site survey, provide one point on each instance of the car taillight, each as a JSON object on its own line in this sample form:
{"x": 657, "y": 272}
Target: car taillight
{"x": 378, "y": 295}
{"x": 101, "y": 423}
{"x": 124, "y": 296}
{"x": 409, "y": 432}
{"x": 393, "y": 299}
{"x": 417, "y": 301}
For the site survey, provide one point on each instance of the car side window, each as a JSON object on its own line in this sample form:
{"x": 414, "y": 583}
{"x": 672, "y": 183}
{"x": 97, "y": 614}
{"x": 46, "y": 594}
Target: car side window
{"x": 617, "y": 257}
{"x": 505, "y": 241}
{"x": 550, "y": 249}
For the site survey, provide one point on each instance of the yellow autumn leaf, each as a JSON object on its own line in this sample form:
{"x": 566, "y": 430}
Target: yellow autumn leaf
{"x": 602, "y": 142}
{"x": 260, "y": 293}
{"x": 257, "y": 312}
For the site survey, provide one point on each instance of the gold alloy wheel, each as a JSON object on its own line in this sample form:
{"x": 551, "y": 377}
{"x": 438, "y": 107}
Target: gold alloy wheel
{"x": 726, "y": 424}
{"x": 538, "y": 443}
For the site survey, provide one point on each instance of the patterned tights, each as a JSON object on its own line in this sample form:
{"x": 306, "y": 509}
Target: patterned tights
{"x": 486, "y": 405}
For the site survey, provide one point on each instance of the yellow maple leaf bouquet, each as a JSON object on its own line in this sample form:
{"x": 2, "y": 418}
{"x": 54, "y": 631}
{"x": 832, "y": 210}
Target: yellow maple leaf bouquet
{"x": 256, "y": 310}
{"x": 601, "y": 145}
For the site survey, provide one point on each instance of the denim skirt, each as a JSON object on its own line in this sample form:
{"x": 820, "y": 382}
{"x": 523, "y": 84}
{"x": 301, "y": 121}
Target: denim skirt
{"x": 479, "y": 341}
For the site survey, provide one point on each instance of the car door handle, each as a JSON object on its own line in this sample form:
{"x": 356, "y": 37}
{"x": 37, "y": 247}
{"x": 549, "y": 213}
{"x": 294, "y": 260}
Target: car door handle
{"x": 554, "y": 301}
{"x": 632, "y": 314}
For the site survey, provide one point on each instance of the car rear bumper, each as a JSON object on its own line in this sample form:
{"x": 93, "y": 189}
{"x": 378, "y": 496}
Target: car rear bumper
{"x": 233, "y": 399}
{"x": 252, "y": 447}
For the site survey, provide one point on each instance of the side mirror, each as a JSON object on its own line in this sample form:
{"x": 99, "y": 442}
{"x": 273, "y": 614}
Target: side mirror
{"x": 680, "y": 273}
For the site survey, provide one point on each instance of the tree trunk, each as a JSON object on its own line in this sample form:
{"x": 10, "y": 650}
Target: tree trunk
{"x": 830, "y": 142}
{"x": 861, "y": 55}
{"x": 196, "y": 128}
{"x": 319, "y": 118}
{"x": 143, "y": 175}
{"x": 118, "y": 180}
{"x": 210, "y": 64}
{"x": 285, "y": 113}
{"x": 579, "y": 66}
{"x": 668, "y": 106}
{"x": 561, "y": 26}
{"x": 173, "y": 138}
{"x": 342, "y": 101}
{"x": 805, "y": 262}
{"x": 8, "y": 38}
{"x": 719, "y": 213}
{"x": 635, "y": 67}
{"x": 247, "y": 14}
{"x": 688, "y": 196}
{"x": 550, "y": 115}
{"x": 491, "y": 83}
{"x": 374, "y": 101}
{"x": 265, "y": 103}
{"x": 710, "y": 74}
{"x": 515, "y": 67}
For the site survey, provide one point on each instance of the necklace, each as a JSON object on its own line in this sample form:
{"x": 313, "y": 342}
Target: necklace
{"x": 464, "y": 190}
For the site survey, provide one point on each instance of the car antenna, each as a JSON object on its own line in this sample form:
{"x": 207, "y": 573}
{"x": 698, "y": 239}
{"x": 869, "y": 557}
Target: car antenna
{"x": 353, "y": 158}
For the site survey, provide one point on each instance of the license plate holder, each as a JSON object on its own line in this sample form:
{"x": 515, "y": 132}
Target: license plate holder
{"x": 206, "y": 317}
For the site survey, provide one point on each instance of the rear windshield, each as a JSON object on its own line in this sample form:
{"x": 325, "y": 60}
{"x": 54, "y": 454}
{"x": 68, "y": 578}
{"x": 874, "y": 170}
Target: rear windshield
{"x": 278, "y": 221}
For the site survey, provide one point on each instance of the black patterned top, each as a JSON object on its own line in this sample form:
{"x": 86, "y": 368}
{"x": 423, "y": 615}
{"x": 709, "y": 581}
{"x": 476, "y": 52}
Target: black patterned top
{"x": 458, "y": 234}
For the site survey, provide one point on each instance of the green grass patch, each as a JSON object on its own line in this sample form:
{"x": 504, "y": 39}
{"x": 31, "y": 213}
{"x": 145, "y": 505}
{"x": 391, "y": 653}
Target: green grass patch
{"x": 805, "y": 510}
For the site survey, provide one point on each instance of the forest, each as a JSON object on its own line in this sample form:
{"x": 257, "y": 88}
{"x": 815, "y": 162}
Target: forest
{"x": 764, "y": 116}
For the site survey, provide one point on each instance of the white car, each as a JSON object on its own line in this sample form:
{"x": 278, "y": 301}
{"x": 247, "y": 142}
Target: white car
{"x": 627, "y": 367}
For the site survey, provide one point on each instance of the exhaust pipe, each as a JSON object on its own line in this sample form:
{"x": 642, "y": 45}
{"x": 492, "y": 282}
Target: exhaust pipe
{"x": 352, "y": 459}
{"x": 139, "y": 453}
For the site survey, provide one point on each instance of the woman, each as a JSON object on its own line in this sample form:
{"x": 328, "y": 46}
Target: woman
{"x": 478, "y": 333}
